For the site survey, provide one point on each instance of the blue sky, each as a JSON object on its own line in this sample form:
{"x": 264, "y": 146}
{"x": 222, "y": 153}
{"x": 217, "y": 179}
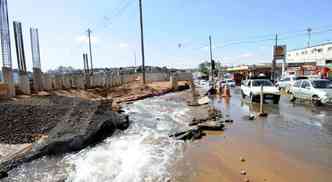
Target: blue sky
{"x": 63, "y": 23}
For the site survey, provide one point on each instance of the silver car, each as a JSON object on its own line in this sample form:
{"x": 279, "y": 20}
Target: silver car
{"x": 288, "y": 82}
{"x": 318, "y": 91}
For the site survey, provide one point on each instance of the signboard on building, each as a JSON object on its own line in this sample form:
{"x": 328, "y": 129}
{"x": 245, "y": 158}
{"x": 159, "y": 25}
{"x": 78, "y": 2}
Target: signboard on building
{"x": 279, "y": 52}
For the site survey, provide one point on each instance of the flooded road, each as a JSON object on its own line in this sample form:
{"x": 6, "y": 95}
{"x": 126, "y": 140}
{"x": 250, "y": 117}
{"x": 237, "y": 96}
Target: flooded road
{"x": 294, "y": 143}
{"x": 144, "y": 152}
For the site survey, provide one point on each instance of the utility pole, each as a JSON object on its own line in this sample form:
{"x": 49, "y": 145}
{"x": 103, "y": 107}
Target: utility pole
{"x": 90, "y": 50}
{"x": 273, "y": 74}
{"x": 211, "y": 59}
{"x": 309, "y": 30}
{"x": 142, "y": 40}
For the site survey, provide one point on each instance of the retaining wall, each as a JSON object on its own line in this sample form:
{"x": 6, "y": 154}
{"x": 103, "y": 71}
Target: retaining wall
{"x": 104, "y": 80}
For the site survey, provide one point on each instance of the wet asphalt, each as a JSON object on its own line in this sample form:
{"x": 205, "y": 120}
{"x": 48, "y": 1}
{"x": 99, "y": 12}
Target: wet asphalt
{"x": 299, "y": 128}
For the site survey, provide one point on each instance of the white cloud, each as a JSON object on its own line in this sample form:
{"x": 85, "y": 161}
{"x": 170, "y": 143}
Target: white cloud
{"x": 83, "y": 39}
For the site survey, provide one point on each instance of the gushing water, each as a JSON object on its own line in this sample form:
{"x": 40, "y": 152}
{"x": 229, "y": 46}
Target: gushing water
{"x": 142, "y": 153}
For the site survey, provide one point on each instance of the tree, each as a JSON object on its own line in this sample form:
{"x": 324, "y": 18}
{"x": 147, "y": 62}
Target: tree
{"x": 205, "y": 67}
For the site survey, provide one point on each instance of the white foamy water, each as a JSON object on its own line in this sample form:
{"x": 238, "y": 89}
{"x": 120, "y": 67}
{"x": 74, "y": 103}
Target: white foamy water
{"x": 142, "y": 153}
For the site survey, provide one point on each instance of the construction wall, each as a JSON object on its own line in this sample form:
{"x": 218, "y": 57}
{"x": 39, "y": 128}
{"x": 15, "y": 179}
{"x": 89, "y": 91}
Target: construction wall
{"x": 155, "y": 77}
{"x": 183, "y": 76}
{"x": 51, "y": 82}
{"x": 4, "y": 90}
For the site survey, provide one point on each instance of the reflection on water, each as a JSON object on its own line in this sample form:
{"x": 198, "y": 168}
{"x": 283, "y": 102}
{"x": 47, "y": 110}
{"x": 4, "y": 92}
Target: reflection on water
{"x": 143, "y": 153}
{"x": 299, "y": 128}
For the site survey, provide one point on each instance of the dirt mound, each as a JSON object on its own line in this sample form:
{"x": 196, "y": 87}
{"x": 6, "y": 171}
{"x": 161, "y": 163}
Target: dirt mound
{"x": 25, "y": 120}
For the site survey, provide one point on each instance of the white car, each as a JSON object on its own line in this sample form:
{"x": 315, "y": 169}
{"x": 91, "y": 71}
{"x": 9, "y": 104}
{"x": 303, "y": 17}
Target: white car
{"x": 229, "y": 83}
{"x": 318, "y": 91}
{"x": 288, "y": 82}
{"x": 252, "y": 89}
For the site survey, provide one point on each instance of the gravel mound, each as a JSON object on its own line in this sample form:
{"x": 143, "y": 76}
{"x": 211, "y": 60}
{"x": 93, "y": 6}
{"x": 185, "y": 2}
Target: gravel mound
{"x": 24, "y": 121}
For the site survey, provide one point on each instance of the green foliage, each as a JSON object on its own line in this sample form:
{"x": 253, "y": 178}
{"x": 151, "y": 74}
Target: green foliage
{"x": 205, "y": 67}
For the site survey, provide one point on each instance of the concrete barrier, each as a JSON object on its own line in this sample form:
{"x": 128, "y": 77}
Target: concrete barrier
{"x": 9, "y": 80}
{"x": 47, "y": 82}
{"x": 184, "y": 76}
{"x": 83, "y": 81}
{"x": 155, "y": 77}
{"x": 78, "y": 81}
{"x": 66, "y": 82}
{"x": 37, "y": 79}
{"x": 4, "y": 90}
{"x": 24, "y": 84}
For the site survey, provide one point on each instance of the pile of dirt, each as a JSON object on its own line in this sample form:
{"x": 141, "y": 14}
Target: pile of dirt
{"x": 71, "y": 124}
{"x": 25, "y": 120}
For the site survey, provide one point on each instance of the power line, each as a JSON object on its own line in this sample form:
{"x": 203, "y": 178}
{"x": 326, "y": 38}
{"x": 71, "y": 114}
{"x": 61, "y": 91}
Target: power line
{"x": 269, "y": 37}
{"x": 118, "y": 12}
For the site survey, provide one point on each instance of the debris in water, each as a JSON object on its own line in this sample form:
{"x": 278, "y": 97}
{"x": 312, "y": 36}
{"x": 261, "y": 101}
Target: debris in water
{"x": 243, "y": 172}
{"x": 252, "y": 116}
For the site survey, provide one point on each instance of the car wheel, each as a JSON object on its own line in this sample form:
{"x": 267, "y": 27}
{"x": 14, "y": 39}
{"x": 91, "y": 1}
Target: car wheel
{"x": 276, "y": 99}
{"x": 292, "y": 98}
{"x": 252, "y": 97}
{"x": 243, "y": 95}
{"x": 316, "y": 101}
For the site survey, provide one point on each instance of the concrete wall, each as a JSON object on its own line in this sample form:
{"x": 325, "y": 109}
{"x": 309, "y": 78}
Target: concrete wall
{"x": 24, "y": 84}
{"x": 47, "y": 82}
{"x": 4, "y": 90}
{"x": 37, "y": 79}
{"x": 103, "y": 80}
{"x": 180, "y": 76}
{"x": 8, "y": 79}
{"x": 183, "y": 76}
{"x": 154, "y": 77}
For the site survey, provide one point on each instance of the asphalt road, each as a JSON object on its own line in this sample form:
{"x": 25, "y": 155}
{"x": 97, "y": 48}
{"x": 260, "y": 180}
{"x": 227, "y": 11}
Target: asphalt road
{"x": 303, "y": 130}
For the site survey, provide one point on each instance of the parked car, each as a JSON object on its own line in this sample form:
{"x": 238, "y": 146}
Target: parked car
{"x": 288, "y": 82}
{"x": 252, "y": 89}
{"x": 228, "y": 82}
{"x": 318, "y": 91}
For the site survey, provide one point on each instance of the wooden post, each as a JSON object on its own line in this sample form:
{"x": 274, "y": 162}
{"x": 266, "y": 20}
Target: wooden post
{"x": 261, "y": 100}
{"x": 261, "y": 111}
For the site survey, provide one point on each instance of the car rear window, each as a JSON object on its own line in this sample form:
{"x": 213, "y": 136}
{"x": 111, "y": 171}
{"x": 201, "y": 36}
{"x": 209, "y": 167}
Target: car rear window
{"x": 323, "y": 84}
{"x": 297, "y": 83}
{"x": 301, "y": 78}
{"x": 256, "y": 83}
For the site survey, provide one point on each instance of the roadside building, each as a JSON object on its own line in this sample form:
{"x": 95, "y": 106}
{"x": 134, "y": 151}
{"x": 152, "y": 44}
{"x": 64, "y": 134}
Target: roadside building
{"x": 243, "y": 72}
{"x": 314, "y": 60}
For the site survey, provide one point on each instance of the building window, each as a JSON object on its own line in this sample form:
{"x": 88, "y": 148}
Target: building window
{"x": 329, "y": 49}
{"x": 319, "y": 50}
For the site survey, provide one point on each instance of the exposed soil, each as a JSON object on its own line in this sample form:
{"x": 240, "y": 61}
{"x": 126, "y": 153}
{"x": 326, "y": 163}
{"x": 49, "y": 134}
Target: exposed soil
{"x": 26, "y": 119}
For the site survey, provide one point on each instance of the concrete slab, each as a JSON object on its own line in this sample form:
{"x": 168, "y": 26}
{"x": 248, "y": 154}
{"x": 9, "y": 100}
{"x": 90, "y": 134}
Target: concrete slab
{"x": 24, "y": 84}
{"x": 9, "y": 80}
{"x": 8, "y": 151}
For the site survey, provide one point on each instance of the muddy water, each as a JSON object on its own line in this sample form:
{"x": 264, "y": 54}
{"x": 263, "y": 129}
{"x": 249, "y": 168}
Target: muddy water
{"x": 144, "y": 152}
{"x": 294, "y": 143}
